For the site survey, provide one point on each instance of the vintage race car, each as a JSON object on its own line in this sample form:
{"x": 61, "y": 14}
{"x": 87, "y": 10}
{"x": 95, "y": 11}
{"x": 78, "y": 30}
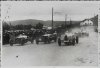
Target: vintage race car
{"x": 47, "y": 38}
{"x": 81, "y": 33}
{"x": 20, "y": 39}
{"x": 71, "y": 38}
{"x": 68, "y": 39}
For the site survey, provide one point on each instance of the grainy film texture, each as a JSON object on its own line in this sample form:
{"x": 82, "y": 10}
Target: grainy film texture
{"x": 49, "y": 0}
{"x": 50, "y": 33}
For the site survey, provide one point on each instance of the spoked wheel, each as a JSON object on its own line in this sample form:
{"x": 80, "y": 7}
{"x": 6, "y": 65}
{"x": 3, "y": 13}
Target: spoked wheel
{"x": 66, "y": 43}
{"x": 55, "y": 40}
{"x": 73, "y": 42}
{"x": 49, "y": 41}
{"x": 59, "y": 42}
{"x": 22, "y": 41}
{"x": 31, "y": 40}
{"x": 37, "y": 42}
{"x": 11, "y": 42}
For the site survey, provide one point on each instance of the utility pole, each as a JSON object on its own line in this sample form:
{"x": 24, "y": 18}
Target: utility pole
{"x": 65, "y": 19}
{"x": 70, "y": 23}
{"x": 52, "y": 17}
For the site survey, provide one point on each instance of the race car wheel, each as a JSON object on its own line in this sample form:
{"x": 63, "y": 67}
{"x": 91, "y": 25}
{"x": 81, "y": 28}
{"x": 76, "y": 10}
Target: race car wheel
{"x": 11, "y": 42}
{"x": 22, "y": 42}
{"x": 55, "y": 40}
{"x": 73, "y": 42}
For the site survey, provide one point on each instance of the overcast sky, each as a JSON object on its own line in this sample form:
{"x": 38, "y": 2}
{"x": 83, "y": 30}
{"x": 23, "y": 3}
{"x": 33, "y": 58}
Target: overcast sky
{"x": 43, "y": 10}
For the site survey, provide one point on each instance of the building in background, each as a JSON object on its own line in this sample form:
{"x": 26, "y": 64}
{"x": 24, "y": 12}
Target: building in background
{"x": 86, "y": 22}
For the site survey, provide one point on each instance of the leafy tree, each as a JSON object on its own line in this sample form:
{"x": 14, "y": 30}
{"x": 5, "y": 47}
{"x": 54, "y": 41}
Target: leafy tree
{"x": 39, "y": 26}
{"x": 5, "y": 26}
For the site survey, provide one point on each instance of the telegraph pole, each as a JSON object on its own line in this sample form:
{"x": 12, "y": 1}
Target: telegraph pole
{"x": 52, "y": 17}
{"x": 65, "y": 19}
{"x": 70, "y": 23}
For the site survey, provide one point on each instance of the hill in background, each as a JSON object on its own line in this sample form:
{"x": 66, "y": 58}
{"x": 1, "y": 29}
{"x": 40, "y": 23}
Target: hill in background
{"x": 49, "y": 22}
{"x": 46, "y": 23}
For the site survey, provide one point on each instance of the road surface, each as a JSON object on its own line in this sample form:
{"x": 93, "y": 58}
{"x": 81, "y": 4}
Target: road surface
{"x": 83, "y": 54}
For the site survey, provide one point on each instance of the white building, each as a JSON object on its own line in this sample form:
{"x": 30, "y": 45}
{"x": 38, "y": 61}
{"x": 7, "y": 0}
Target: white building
{"x": 86, "y": 22}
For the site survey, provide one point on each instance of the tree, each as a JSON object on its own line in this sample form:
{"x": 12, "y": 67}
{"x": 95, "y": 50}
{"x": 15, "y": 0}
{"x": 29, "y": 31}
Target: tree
{"x": 5, "y": 26}
{"x": 39, "y": 26}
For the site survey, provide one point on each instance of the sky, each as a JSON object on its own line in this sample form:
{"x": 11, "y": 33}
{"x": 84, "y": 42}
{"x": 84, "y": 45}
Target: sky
{"x": 43, "y": 10}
